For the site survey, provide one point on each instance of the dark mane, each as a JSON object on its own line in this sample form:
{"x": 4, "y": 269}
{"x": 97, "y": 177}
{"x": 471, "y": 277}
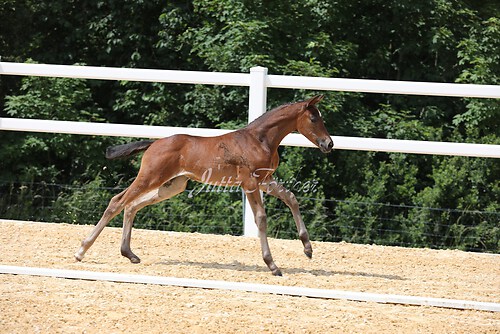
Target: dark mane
{"x": 268, "y": 114}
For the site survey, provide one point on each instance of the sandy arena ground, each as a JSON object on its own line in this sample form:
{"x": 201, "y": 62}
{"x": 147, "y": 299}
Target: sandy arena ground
{"x": 54, "y": 305}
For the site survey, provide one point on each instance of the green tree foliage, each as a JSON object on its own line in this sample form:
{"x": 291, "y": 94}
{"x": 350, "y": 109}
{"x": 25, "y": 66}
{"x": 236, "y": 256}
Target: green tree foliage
{"x": 50, "y": 157}
{"x": 366, "y": 197}
{"x": 478, "y": 55}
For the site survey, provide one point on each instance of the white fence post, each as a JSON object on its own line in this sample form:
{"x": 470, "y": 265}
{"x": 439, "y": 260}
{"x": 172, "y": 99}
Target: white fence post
{"x": 256, "y": 107}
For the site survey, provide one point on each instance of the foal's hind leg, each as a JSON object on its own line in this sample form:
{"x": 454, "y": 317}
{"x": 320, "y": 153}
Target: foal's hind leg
{"x": 113, "y": 209}
{"x": 166, "y": 191}
{"x": 275, "y": 189}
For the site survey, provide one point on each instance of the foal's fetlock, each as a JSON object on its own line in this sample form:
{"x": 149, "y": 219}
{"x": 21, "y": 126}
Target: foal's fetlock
{"x": 304, "y": 237}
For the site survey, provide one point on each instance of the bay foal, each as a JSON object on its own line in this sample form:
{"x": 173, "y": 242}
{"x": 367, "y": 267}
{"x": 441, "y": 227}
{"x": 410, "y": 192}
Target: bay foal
{"x": 246, "y": 157}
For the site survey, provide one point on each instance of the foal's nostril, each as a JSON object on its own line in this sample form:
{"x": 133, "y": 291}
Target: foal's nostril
{"x": 325, "y": 145}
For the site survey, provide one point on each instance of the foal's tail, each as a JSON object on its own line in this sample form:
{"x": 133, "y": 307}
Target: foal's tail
{"x": 125, "y": 150}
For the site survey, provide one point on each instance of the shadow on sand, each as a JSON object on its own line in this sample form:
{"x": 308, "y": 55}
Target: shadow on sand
{"x": 237, "y": 266}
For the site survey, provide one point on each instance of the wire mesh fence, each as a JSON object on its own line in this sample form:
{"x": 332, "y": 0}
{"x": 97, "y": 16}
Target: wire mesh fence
{"x": 221, "y": 213}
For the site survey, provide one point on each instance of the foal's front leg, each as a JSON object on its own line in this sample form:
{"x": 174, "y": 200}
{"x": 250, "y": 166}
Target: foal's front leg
{"x": 255, "y": 200}
{"x": 275, "y": 189}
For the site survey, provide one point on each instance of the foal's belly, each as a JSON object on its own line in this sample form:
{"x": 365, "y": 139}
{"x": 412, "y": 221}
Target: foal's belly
{"x": 220, "y": 161}
{"x": 228, "y": 175}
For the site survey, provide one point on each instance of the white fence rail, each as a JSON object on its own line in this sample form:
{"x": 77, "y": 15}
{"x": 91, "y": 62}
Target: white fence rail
{"x": 253, "y": 287}
{"x": 258, "y": 81}
{"x": 344, "y": 143}
{"x": 245, "y": 79}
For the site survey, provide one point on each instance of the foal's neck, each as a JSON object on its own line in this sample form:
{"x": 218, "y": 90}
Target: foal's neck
{"x": 271, "y": 129}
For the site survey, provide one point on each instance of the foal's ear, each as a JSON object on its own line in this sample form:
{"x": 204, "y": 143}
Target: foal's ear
{"x": 314, "y": 100}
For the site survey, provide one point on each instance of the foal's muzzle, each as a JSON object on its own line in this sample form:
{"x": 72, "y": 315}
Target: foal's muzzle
{"x": 325, "y": 145}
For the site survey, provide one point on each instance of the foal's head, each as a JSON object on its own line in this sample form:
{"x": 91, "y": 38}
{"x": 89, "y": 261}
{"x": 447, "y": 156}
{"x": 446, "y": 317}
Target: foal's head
{"x": 310, "y": 124}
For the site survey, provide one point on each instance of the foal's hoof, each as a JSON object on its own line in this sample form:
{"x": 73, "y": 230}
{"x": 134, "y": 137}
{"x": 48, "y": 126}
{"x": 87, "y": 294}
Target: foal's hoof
{"x": 131, "y": 256}
{"x": 309, "y": 253}
{"x": 277, "y": 272}
{"x": 135, "y": 259}
{"x": 79, "y": 256}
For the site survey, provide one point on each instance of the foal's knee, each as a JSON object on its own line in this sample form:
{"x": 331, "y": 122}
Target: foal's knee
{"x": 261, "y": 221}
{"x": 293, "y": 203}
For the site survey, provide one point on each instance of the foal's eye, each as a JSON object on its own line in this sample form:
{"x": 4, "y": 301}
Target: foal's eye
{"x": 314, "y": 118}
